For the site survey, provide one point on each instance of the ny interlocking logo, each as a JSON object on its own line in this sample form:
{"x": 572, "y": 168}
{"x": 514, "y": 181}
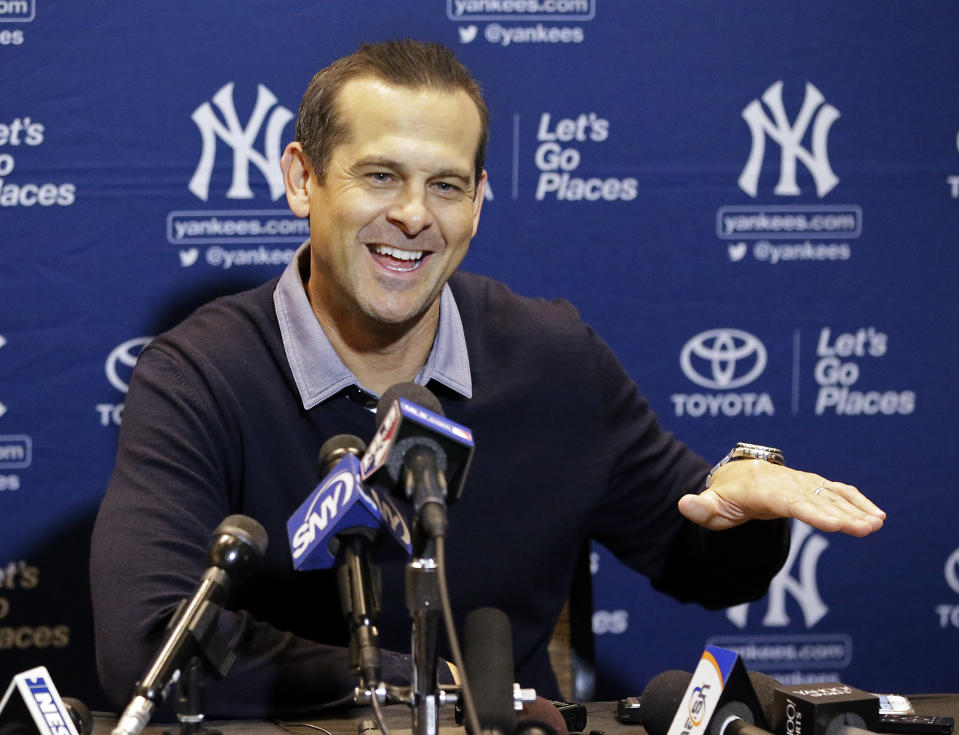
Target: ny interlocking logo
{"x": 806, "y": 548}
{"x": 816, "y": 111}
{"x": 242, "y": 140}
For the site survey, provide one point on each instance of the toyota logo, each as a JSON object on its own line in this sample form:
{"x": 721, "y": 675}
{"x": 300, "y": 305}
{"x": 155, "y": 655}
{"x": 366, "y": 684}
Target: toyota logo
{"x": 723, "y": 358}
{"x": 952, "y": 571}
{"x": 121, "y": 361}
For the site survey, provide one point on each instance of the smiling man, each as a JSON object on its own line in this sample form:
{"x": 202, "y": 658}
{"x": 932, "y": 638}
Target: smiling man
{"x": 225, "y": 414}
{"x": 392, "y": 212}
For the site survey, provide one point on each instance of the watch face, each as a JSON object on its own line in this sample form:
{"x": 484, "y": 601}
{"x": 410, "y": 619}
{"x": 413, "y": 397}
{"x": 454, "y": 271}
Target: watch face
{"x": 758, "y": 451}
{"x": 759, "y": 448}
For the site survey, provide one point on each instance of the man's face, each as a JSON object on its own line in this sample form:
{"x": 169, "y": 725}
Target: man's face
{"x": 397, "y": 209}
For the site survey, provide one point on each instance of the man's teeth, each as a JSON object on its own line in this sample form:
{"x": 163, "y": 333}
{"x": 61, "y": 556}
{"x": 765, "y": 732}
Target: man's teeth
{"x": 397, "y": 253}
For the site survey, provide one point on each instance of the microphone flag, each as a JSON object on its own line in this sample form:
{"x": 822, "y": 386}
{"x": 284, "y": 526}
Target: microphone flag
{"x": 719, "y": 683}
{"x": 32, "y": 704}
{"x": 339, "y": 502}
{"x": 407, "y": 422}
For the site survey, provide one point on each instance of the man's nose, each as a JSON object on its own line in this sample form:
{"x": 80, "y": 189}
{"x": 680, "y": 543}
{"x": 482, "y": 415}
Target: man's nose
{"x": 410, "y": 212}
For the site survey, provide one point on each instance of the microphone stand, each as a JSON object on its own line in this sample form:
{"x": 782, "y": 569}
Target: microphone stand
{"x": 212, "y": 651}
{"x": 423, "y": 602}
{"x": 359, "y": 583}
{"x": 190, "y": 701}
{"x": 427, "y": 488}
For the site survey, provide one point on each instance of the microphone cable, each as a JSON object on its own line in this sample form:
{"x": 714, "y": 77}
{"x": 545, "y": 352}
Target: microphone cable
{"x": 378, "y": 713}
{"x": 469, "y": 707}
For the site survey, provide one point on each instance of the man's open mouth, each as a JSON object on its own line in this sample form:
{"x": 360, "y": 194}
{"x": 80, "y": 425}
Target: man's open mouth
{"x": 396, "y": 259}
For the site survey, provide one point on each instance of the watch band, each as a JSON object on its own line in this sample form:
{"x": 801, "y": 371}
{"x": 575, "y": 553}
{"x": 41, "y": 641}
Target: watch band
{"x": 743, "y": 450}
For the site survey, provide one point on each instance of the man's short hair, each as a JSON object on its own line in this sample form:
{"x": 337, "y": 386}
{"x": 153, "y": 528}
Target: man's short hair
{"x": 405, "y": 63}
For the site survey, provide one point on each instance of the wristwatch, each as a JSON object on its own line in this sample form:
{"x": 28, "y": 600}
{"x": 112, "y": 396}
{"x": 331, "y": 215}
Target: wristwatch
{"x": 742, "y": 450}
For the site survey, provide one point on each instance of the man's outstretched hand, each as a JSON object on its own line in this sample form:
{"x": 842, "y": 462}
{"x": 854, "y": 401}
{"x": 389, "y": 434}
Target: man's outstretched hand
{"x": 749, "y": 489}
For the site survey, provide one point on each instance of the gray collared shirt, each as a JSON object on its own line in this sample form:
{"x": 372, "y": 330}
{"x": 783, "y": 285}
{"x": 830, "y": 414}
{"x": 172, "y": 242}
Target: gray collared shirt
{"x": 317, "y": 369}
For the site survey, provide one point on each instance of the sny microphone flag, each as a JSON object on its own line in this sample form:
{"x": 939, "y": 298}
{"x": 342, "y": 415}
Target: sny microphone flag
{"x": 339, "y": 502}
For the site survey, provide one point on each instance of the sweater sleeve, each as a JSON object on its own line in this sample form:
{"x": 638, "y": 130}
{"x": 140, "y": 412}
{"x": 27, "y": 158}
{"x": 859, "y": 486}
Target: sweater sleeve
{"x": 176, "y": 462}
{"x": 648, "y": 470}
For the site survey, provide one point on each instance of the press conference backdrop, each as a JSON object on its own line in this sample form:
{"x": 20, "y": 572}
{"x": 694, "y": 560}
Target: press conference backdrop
{"x": 755, "y": 203}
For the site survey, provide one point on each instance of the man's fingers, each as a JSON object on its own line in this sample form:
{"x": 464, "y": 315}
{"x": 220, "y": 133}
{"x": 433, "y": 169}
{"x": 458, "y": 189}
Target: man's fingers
{"x": 826, "y": 508}
{"x": 857, "y": 515}
{"x": 851, "y": 495}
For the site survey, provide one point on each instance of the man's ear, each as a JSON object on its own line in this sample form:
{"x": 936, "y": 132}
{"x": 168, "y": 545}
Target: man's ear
{"x": 296, "y": 178}
{"x": 478, "y": 201}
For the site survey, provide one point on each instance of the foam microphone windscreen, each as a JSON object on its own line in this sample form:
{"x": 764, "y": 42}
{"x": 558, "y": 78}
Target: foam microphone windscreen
{"x": 765, "y": 688}
{"x": 488, "y": 660}
{"x": 661, "y": 699}
{"x": 541, "y": 717}
{"x": 80, "y": 714}
{"x": 413, "y": 392}
{"x": 337, "y": 447}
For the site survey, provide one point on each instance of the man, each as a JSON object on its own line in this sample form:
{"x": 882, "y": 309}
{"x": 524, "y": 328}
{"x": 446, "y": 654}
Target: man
{"x": 226, "y": 411}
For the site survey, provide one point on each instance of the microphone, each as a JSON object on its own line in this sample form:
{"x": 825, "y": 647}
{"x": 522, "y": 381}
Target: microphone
{"x": 33, "y": 706}
{"x": 662, "y": 704}
{"x": 236, "y": 547}
{"x": 340, "y": 503}
{"x": 716, "y": 699}
{"x": 341, "y": 523}
{"x": 829, "y": 708}
{"x": 418, "y": 454}
{"x": 842, "y": 709}
{"x": 427, "y": 456}
{"x": 80, "y": 714}
{"x": 738, "y": 718}
{"x": 488, "y": 660}
{"x": 336, "y": 448}
{"x": 660, "y": 700}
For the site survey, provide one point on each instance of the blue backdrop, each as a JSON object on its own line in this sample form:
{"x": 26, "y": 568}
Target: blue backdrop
{"x": 755, "y": 203}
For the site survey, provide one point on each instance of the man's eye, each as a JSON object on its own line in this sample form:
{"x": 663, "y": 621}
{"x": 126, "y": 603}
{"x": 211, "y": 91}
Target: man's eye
{"x": 381, "y": 177}
{"x": 444, "y": 187}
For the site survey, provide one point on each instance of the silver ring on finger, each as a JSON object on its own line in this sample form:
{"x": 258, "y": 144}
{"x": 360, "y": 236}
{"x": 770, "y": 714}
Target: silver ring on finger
{"x": 819, "y": 490}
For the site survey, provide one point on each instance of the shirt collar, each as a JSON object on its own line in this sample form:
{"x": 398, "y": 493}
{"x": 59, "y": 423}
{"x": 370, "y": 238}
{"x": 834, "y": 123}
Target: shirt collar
{"x": 317, "y": 369}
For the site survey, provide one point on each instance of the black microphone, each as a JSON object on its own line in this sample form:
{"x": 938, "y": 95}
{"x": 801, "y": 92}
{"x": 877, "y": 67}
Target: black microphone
{"x": 236, "y": 547}
{"x": 488, "y": 659}
{"x": 418, "y": 454}
{"x": 342, "y": 506}
{"x": 358, "y": 579}
{"x": 667, "y": 700}
{"x": 80, "y": 714}
{"x": 661, "y": 698}
{"x": 735, "y": 717}
{"x": 843, "y": 709}
{"x": 824, "y": 708}
{"x": 33, "y": 705}
{"x": 336, "y": 448}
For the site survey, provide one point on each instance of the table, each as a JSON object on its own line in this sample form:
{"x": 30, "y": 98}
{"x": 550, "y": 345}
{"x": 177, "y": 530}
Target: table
{"x": 601, "y": 719}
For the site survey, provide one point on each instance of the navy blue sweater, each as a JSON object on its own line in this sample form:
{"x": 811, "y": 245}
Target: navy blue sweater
{"x": 566, "y": 450}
